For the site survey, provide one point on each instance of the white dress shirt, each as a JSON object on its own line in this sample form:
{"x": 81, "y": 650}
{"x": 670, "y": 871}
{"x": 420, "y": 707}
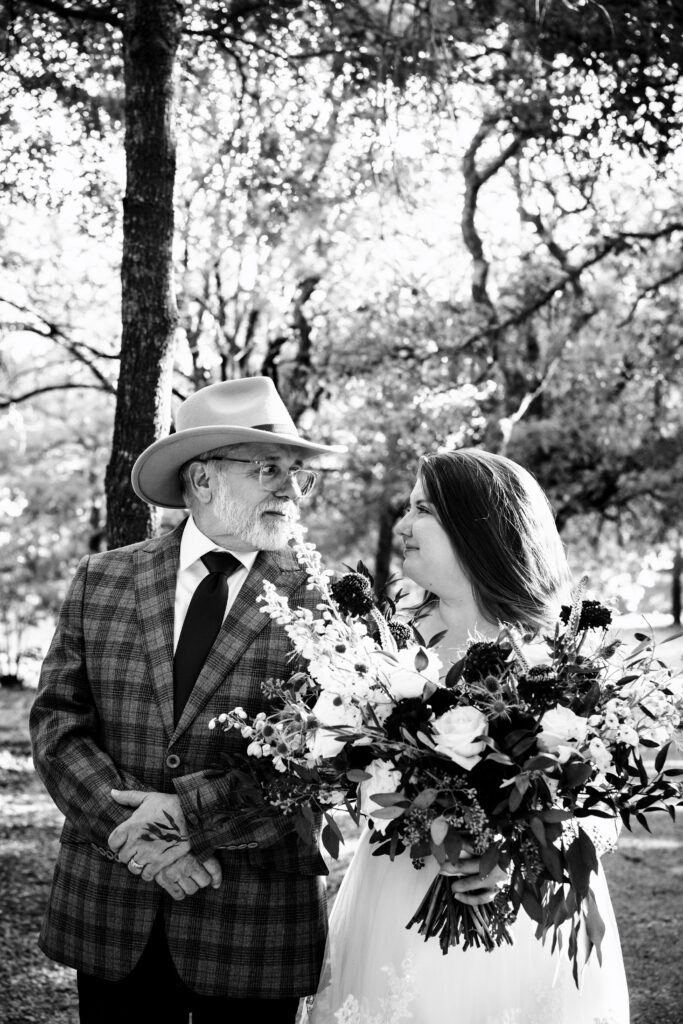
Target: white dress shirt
{"x": 191, "y": 571}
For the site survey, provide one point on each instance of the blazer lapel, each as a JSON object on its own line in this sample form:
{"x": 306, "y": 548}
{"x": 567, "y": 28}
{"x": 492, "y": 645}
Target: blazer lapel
{"x": 156, "y": 571}
{"x": 242, "y": 625}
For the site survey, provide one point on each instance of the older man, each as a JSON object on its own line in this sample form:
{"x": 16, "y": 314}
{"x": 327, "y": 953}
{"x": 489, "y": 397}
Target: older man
{"x": 153, "y": 640}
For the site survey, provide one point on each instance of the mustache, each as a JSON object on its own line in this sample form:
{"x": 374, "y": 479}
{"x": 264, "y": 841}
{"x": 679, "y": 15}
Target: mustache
{"x": 286, "y": 508}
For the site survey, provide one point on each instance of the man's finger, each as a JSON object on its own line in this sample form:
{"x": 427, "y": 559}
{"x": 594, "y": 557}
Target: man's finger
{"x": 172, "y": 888}
{"x": 129, "y": 797}
{"x": 188, "y": 885}
{"x": 213, "y": 866}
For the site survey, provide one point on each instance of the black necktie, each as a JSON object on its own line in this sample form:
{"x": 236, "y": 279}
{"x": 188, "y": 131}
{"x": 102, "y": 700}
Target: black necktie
{"x": 203, "y": 621}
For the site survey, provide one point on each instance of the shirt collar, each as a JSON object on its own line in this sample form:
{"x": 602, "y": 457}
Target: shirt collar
{"x": 194, "y": 544}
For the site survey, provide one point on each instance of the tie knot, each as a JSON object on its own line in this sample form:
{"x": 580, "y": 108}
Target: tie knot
{"x": 221, "y": 561}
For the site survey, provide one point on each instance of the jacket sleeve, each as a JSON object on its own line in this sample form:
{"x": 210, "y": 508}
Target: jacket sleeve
{"x": 205, "y": 800}
{"x": 64, "y": 728}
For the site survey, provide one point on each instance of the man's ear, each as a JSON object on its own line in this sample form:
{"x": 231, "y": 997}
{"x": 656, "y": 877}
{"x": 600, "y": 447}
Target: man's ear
{"x": 199, "y": 482}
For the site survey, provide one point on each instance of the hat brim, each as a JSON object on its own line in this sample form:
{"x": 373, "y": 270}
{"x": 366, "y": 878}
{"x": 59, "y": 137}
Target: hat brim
{"x": 155, "y": 474}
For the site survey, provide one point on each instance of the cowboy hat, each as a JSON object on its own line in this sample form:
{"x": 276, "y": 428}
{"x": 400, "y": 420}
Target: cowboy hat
{"x": 232, "y": 412}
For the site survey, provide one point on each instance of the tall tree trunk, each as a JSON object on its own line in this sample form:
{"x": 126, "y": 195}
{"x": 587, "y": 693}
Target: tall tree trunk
{"x": 149, "y": 314}
{"x": 385, "y": 544}
{"x": 676, "y": 571}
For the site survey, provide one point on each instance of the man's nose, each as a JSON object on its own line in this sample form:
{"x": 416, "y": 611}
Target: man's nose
{"x": 289, "y": 488}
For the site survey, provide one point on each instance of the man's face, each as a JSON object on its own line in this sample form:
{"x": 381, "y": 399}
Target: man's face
{"x": 248, "y": 507}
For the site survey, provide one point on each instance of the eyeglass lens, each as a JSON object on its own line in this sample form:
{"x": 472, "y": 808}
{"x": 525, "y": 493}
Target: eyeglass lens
{"x": 271, "y": 476}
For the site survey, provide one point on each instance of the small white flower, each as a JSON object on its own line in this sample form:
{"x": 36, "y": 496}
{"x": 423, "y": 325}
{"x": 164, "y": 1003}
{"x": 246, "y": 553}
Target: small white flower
{"x": 212, "y": 723}
{"x": 247, "y": 732}
{"x": 331, "y": 710}
{"x": 384, "y": 778}
{"x": 254, "y": 750}
{"x": 627, "y": 734}
{"x": 611, "y": 721}
{"x": 222, "y": 718}
{"x": 599, "y": 754}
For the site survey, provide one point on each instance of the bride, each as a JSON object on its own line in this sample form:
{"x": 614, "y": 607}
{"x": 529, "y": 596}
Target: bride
{"x": 480, "y": 539}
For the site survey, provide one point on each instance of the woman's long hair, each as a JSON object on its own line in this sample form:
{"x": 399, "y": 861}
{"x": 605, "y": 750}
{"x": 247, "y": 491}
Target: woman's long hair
{"x": 503, "y": 532}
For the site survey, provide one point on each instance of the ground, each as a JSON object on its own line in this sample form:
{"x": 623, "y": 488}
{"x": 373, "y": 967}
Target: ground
{"x": 645, "y": 875}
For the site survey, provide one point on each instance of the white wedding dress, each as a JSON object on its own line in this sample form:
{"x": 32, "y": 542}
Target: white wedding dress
{"x": 379, "y": 972}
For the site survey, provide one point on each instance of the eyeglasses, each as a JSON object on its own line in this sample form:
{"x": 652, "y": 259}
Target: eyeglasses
{"x": 273, "y": 476}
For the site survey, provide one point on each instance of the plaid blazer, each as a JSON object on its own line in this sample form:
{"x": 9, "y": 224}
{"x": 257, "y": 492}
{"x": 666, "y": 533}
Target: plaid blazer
{"x": 103, "y": 719}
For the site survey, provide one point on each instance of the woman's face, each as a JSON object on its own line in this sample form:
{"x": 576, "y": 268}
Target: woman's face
{"x": 429, "y": 558}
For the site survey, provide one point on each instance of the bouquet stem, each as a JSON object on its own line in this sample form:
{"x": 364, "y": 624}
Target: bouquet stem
{"x": 455, "y": 923}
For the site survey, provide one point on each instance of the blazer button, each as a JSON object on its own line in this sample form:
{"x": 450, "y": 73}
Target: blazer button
{"x": 173, "y": 761}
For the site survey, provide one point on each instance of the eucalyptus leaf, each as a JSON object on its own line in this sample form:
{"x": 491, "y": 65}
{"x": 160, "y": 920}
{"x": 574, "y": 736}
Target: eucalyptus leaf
{"x": 438, "y": 830}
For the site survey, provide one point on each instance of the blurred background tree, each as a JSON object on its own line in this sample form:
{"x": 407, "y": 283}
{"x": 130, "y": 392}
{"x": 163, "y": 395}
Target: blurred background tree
{"x": 432, "y": 223}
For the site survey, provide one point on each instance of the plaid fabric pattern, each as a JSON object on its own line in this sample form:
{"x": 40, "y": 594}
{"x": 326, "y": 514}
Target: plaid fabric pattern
{"x": 103, "y": 719}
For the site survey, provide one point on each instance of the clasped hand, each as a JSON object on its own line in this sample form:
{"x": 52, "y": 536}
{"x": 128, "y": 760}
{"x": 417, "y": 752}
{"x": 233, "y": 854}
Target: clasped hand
{"x": 469, "y": 885}
{"x": 173, "y": 866}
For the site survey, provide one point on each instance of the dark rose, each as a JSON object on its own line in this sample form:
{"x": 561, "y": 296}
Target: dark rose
{"x": 411, "y": 713}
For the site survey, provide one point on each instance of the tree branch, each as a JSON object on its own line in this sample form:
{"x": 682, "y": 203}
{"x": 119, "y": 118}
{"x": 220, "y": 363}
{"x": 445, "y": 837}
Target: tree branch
{"x": 5, "y": 403}
{"x": 475, "y": 177}
{"x": 612, "y": 244}
{"x": 53, "y": 332}
{"x": 85, "y": 13}
{"x": 650, "y": 290}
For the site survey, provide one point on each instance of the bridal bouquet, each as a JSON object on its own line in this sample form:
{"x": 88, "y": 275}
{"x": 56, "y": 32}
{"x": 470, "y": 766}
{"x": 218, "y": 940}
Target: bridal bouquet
{"x": 530, "y": 757}
{"x": 307, "y": 756}
{"x": 524, "y": 756}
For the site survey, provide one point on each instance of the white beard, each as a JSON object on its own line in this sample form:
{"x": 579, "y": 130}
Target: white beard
{"x": 263, "y": 532}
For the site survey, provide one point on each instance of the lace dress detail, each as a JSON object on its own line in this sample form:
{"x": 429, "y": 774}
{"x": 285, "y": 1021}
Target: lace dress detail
{"x": 379, "y": 972}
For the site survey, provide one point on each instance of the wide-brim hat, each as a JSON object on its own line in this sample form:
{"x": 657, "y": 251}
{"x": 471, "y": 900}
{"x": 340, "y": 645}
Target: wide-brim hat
{"x": 232, "y": 412}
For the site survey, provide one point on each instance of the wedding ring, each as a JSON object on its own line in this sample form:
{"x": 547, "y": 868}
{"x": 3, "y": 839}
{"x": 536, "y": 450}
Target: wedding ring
{"x": 132, "y": 863}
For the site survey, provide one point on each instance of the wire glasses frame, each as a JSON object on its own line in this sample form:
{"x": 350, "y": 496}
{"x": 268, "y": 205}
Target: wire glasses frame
{"x": 272, "y": 476}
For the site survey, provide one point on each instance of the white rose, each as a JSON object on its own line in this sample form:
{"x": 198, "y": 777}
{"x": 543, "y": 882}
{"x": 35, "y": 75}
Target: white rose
{"x": 384, "y": 778}
{"x": 456, "y": 732}
{"x": 561, "y": 727}
{"x": 410, "y": 670}
{"x": 599, "y": 754}
{"x": 330, "y": 711}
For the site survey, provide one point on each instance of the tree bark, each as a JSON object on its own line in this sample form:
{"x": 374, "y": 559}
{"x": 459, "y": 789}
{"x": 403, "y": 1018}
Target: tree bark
{"x": 385, "y": 544}
{"x": 676, "y": 571}
{"x": 149, "y": 315}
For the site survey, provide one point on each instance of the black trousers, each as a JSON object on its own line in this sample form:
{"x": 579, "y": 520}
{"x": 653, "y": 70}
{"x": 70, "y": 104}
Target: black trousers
{"x": 154, "y": 992}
